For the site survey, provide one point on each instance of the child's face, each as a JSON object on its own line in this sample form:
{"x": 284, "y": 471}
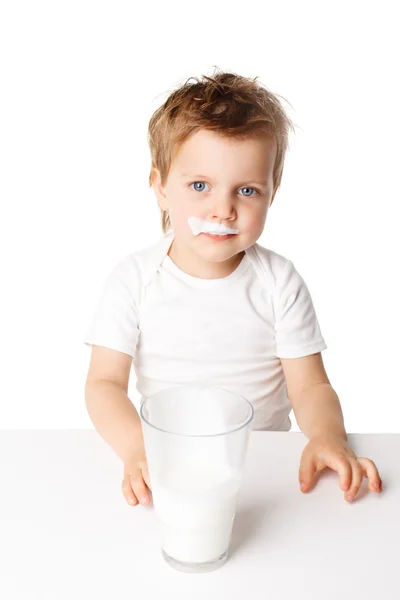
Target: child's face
{"x": 223, "y": 181}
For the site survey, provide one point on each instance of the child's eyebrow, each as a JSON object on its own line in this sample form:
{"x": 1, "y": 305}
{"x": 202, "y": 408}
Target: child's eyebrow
{"x": 208, "y": 177}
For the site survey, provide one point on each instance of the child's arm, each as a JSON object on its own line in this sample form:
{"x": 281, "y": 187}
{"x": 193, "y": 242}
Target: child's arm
{"x": 319, "y": 415}
{"x": 315, "y": 403}
{"x": 115, "y": 417}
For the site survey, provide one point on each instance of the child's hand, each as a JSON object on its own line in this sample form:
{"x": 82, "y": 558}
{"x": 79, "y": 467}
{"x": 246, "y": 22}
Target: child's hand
{"x": 334, "y": 452}
{"x": 136, "y": 476}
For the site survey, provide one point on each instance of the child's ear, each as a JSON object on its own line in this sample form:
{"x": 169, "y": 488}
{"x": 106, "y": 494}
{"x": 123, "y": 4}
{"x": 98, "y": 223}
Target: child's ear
{"x": 273, "y": 195}
{"x": 159, "y": 190}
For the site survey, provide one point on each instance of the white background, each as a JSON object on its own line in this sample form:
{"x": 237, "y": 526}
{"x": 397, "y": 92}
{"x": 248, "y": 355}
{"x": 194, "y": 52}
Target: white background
{"x": 80, "y": 81}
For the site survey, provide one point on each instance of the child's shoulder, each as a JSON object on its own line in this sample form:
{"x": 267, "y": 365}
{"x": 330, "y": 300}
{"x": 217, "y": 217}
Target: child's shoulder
{"x": 274, "y": 258}
{"x": 268, "y": 263}
{"x": 144, "y": 262}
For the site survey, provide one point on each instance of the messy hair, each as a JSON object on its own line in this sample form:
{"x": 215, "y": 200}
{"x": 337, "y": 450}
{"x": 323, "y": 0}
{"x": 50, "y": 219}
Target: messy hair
{"x": 227, "y": 103}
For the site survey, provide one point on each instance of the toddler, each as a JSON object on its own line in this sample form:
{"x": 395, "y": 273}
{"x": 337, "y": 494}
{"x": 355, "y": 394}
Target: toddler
{"x": 206, "y": 304}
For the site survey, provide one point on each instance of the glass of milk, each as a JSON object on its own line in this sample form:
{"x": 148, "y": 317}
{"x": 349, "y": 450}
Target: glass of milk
{"x": 196, "y": 440}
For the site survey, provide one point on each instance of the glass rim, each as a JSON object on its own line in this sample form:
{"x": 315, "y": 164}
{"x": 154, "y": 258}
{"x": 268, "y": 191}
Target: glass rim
{"x": 199, "y": 435}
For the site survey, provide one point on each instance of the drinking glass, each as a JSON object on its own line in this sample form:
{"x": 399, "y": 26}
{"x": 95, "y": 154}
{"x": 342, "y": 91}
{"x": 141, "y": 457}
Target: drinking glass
{"x": 196, "y": 440}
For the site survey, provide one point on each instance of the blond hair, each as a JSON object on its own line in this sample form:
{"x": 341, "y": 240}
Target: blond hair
{"x": 229, "y": 104}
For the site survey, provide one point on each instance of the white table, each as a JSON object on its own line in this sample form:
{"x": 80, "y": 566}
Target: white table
{"x": 67, "y": 533}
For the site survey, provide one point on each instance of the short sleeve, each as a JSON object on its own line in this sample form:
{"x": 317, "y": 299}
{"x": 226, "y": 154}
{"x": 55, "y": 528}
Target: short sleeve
{"x": 115, "y": 320}
{"x": 297, "y": 331}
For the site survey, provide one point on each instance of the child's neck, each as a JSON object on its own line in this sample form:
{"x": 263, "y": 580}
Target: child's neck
{"x": 196, "y": 266}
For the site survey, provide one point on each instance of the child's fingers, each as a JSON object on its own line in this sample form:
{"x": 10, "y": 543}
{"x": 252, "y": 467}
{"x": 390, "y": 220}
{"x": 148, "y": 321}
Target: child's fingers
{"x": 356, "y": 481}
{"x": 371, "y": 472}
{"x": 139, "y": 487}
{"x": 128, "y": 492}
{"x": 343, "y": 467}
{"x": 306, "y": 471}
{"x": 146, "y": 476}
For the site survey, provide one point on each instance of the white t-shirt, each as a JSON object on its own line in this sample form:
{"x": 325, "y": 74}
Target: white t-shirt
{"x": 229, "y": 332}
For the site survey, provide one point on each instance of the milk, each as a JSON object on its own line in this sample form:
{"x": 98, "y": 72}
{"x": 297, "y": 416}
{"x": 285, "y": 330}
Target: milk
{"x": 196, "y": 504}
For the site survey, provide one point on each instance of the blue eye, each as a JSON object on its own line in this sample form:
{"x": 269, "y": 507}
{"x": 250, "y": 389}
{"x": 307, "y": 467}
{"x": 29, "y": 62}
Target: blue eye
{"x": 243, "y": 188}
{"x": 248, "y": 188}
{"x": 194, "y": 182}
